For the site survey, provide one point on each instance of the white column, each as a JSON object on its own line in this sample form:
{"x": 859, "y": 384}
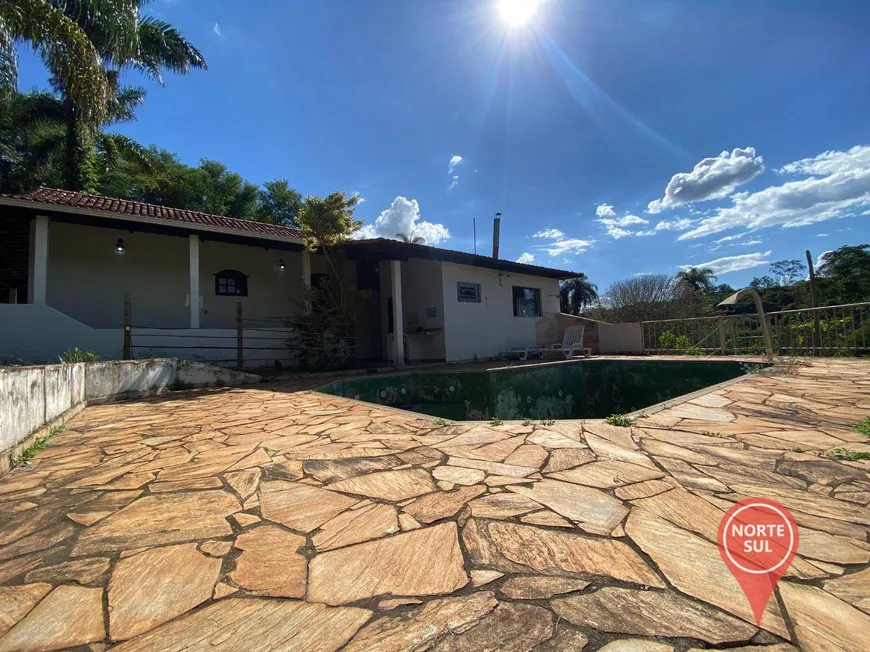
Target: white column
{"x": 398, "y": 318}
{"x": 38, "y": 271}
{"x": 306, "y": 268}
{"x": 194, "y": 281}
{"x": 306, "y": 276}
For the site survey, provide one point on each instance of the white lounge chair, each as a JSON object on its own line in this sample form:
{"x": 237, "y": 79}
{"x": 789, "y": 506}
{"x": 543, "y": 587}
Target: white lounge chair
{"x": 520, "y": 352}
{"x": 572, "y": 344}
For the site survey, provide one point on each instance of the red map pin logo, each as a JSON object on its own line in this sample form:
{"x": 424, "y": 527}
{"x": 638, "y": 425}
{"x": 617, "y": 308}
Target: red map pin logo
{"x": 758, "y": 539}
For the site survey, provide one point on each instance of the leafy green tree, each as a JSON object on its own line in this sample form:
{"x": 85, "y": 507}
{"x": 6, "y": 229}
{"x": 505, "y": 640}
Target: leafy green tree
{"x": 325, "y": 323}
{"x": 763, "y": 283}
{"x": 278, "y": 203}
{"x": 846, "y": 272}
{"x": 576, "y": 293}
{"x": 223, "y": 192}
{"x": 700, "y": 280}
{"x": 788, "y": 271}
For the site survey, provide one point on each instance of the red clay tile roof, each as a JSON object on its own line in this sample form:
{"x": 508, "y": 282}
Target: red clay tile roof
{"x": 84, "y": 201}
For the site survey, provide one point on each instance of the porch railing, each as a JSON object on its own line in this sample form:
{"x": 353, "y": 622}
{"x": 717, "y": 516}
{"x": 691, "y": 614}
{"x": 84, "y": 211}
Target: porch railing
{"x": 824, "y": 331}
{"x": 255, "y": 341}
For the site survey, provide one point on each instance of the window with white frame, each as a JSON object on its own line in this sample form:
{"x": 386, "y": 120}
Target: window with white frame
{"x": 527, "y": 302}
{"x": 467, "y": 292}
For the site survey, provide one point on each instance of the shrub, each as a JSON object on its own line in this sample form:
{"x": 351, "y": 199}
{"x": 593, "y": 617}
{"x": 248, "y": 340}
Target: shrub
{"x": 620, "y": 420}
{"x": 77, "y": 355}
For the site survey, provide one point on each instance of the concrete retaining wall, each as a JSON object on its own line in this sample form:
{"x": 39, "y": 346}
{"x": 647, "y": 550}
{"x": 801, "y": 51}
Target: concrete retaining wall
{"x": 33, "y": 399}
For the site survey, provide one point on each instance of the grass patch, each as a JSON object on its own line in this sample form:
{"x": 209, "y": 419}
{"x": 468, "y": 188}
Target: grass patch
{"x": 863, "y": 427}
{"x": 38, "y": 445}
{"x": 620, "y": 420}
{"x": 179, "y": 386}
{"x": 442, "y": 422}
{"x": 847, "y": 455}
{"x": 547, "y": 422}
{"x": 495, "y": 421}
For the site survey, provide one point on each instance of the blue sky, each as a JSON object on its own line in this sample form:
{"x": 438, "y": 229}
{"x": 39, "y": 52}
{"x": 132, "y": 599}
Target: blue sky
{"x": 629, "y": 136}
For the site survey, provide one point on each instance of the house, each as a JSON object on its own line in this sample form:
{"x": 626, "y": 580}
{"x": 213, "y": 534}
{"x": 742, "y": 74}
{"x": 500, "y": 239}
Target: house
{"x": 124, "y": 278}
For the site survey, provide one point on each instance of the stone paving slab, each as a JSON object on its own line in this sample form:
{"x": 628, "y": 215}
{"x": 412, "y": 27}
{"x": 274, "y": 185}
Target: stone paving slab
{"x": 277, "y": 518}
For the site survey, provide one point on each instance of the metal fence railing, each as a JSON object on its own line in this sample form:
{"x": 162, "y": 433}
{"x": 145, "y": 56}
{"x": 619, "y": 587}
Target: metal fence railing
{"x": 829, "y": 330}
{"x": 824, "y": 331}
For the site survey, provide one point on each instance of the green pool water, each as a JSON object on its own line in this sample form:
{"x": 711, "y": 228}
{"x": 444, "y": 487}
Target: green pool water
{"x": 584, "y": 389}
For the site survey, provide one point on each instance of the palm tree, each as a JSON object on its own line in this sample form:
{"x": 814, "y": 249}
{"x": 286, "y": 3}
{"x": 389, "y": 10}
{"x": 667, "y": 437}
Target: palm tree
{"x": 697, "y": 279}
{"x": 157, "y": 46}
{"x": 411, "y": 239}
{"x": 55, "y": 29}
{"x": 121, "y": 42}
{"x": 576, "y": 293}
{"x": 40, "y": 122}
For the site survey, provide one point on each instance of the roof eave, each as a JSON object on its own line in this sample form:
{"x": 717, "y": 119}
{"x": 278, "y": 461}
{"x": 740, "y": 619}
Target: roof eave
{"x": 472, "y": 260}
{"x": 142, "y": 219}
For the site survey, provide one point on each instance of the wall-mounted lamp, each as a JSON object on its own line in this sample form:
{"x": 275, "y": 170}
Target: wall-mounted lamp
{"x": 281, "y": 264}
{"x": 119, "y": 246}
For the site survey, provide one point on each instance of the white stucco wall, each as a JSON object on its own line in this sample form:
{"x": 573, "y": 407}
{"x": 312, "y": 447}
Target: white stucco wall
{"x": 87, "y": 279}
{"x": 37, "y": 334}
{"x": 483, "y": 329}
{"x": 269, "y": 288}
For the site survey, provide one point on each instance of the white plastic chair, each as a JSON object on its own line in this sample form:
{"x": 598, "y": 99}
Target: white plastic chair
{"x": 572, "y": 343}
{"x": 520, "y": 352}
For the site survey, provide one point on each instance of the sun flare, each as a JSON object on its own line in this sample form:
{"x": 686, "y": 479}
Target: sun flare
{"x": 517, "y": 12}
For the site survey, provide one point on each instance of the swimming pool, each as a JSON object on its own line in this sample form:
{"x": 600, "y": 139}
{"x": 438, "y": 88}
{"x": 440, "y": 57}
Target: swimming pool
{"x": 583, "y": 389}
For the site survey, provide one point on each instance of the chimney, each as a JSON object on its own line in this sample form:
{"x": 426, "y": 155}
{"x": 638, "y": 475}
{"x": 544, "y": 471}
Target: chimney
{"x": 496, "y": 230}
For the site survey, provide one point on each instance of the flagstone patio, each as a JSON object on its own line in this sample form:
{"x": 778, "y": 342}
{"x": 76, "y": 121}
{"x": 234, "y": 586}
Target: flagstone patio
{"x": 275, "y": 518}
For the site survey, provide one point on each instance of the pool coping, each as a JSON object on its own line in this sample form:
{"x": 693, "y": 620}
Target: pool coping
{"x": 637, "y": 414}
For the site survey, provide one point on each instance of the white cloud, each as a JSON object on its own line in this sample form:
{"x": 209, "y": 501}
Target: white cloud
{"x": 712, "y": 178}
{"x": 734, "y": 263}
{"x": 526, "y": 259}
{"x": 569, "y": 246}
{"x": 403, "y": 216}
{"x": 616, "y": 233}
{"x": 561, "y": 245}
{"x": 217, "y": 29}
{"x": 750, "y": 243}
{"x": 821, "y": 235}
{"x": 360, "y": 200}
{"x": 829, "y": 162}
{"x": 821, "y": 259}
{"x": 616, "y": 225}
{"x": 625, "y": 220}
{"x": 680, "y": 224}
{"x": 731, "y": 238}
{"x": 549, "y": 234}
{"x": 451, "y": 167}
{"x": 839, "y": 188}
{"x": 604, "y": 210}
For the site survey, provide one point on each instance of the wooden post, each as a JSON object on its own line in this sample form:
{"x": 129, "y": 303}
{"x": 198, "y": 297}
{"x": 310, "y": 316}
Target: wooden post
{"x": 817, "y": 328}
{"x": 722, "y": 322}
{"x": 128, "y": 326}
{"x": 240, "y": 345}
